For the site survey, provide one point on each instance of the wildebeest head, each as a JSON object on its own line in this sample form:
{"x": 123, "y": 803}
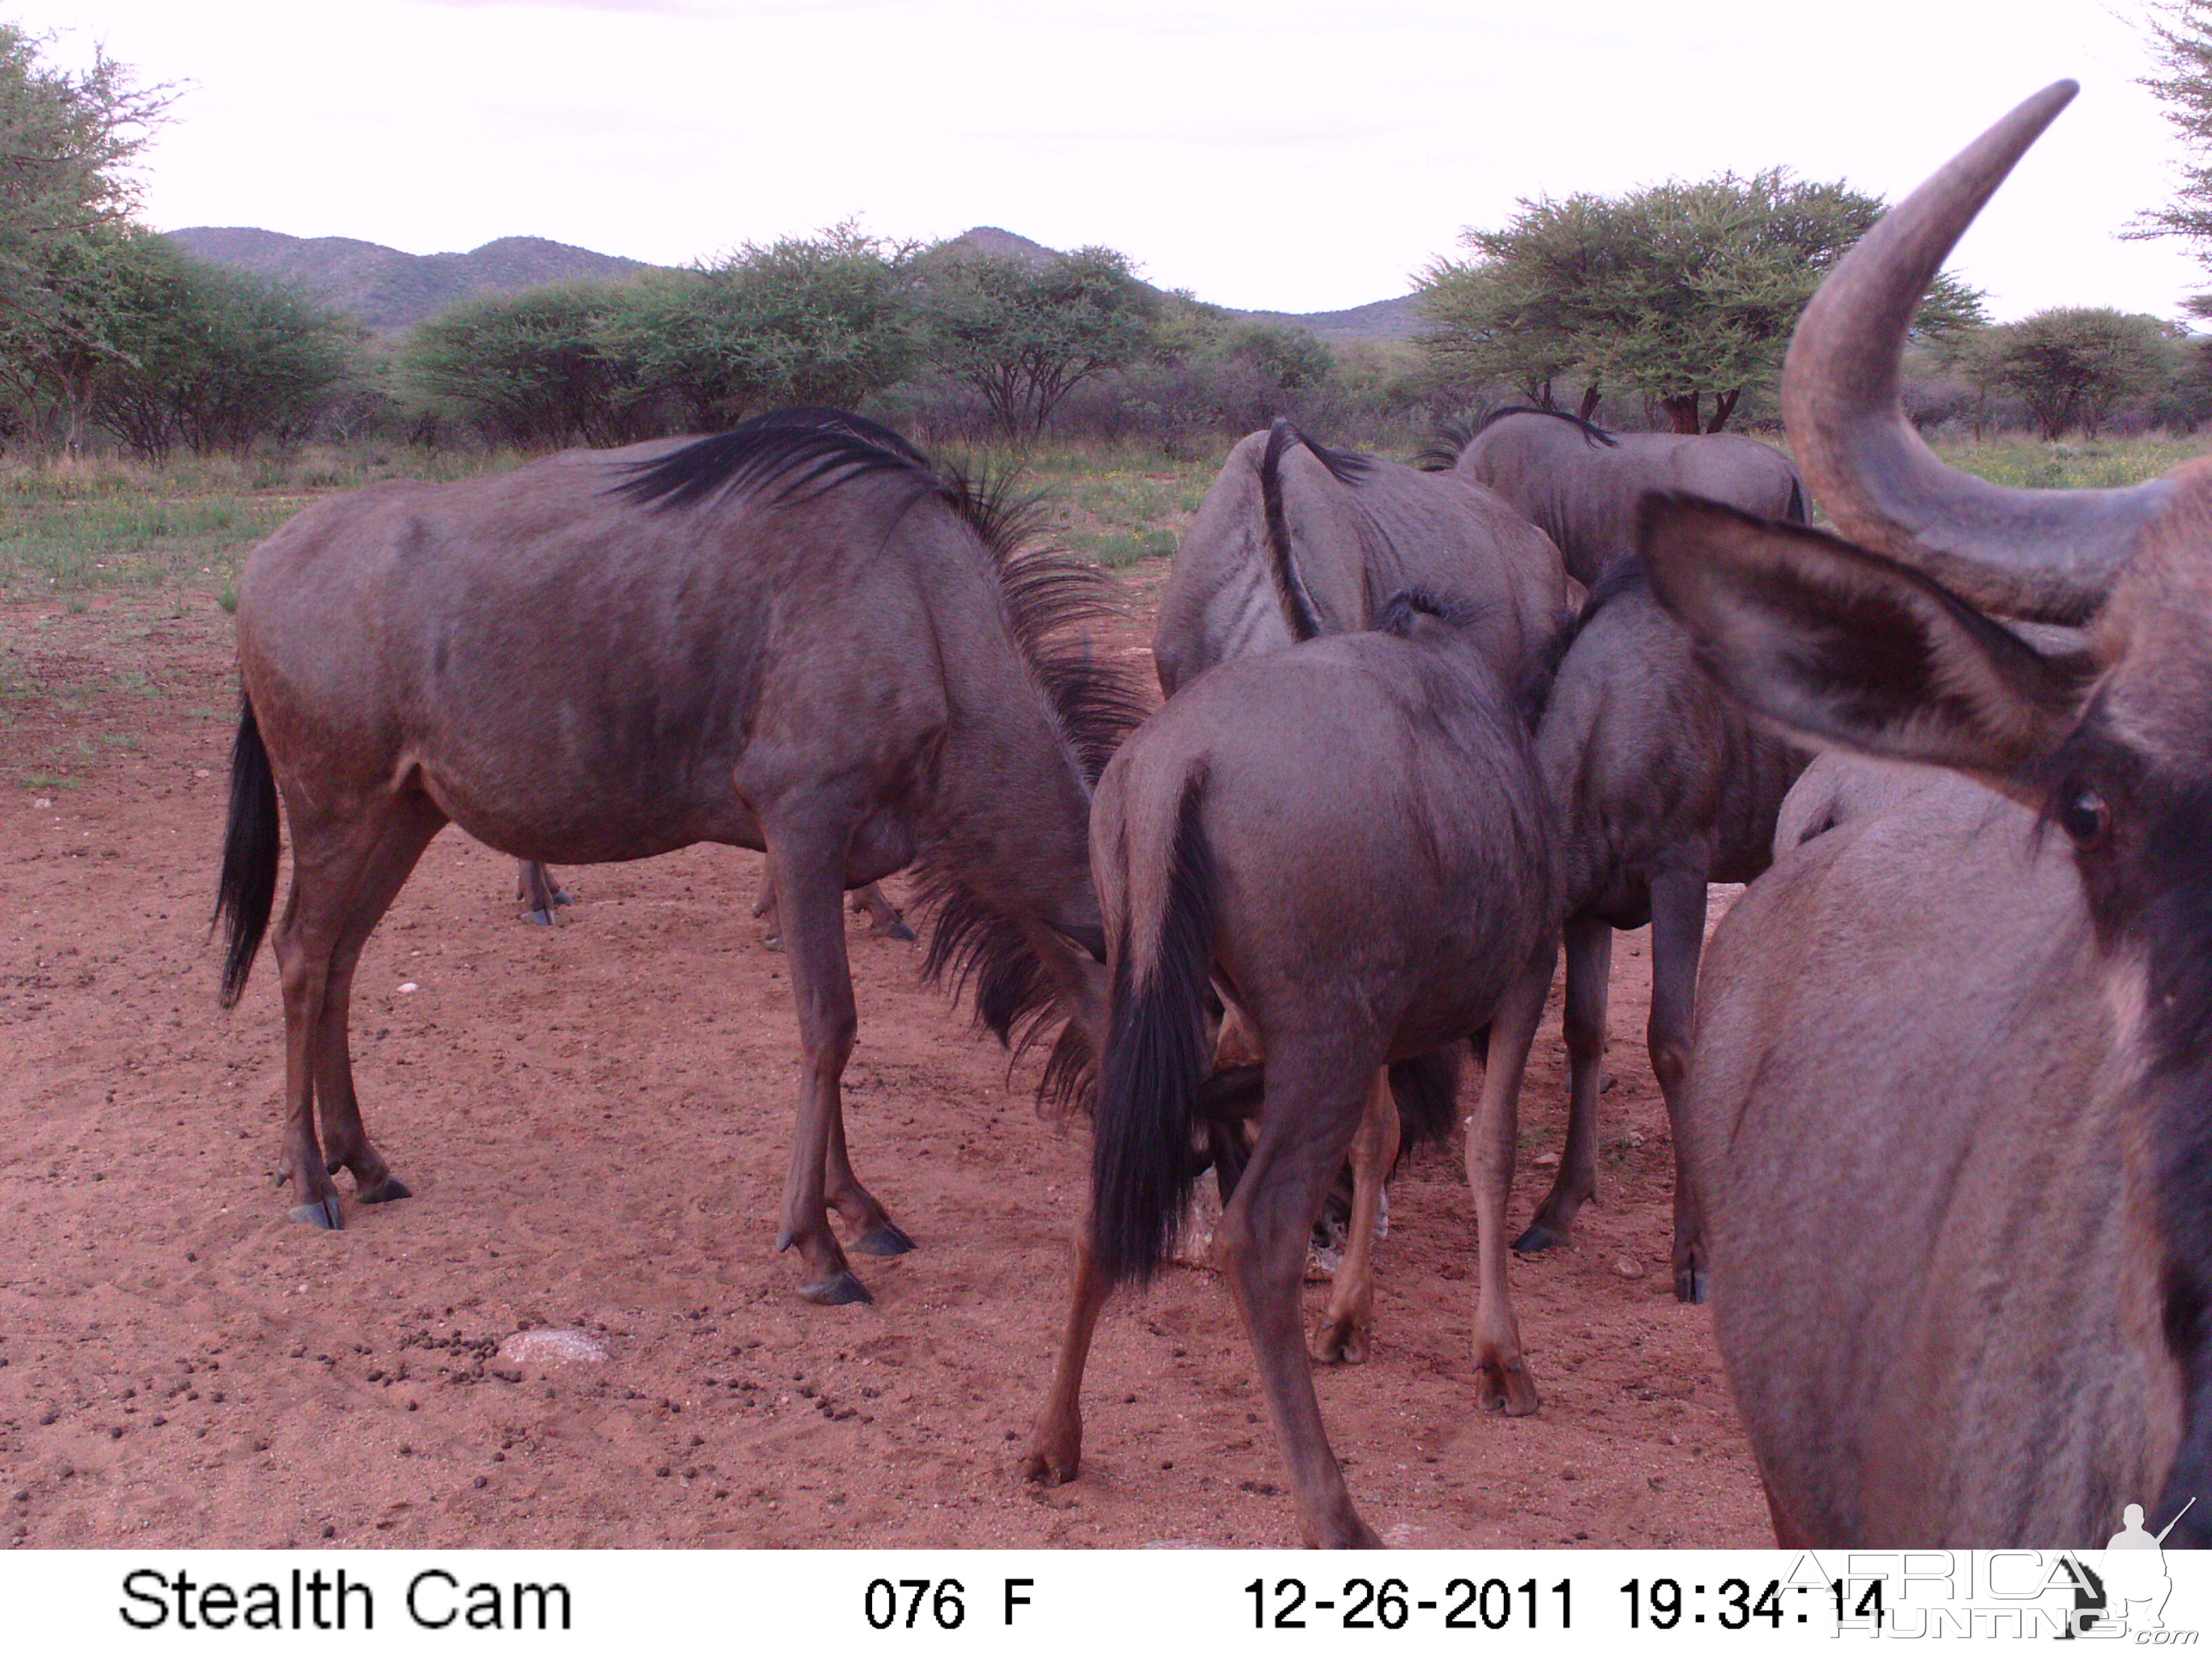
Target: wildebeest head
{"x": 1886, "y": 643}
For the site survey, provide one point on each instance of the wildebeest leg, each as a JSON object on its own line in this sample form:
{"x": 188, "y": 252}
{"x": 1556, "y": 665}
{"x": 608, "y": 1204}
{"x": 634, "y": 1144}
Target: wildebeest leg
{"x": 879, "y": 1234}
{"x": 1678, "y": 937}
{"x": 1589, "y": 969}
{"x": 804, "y": 868}
{"x": 1056, "y": 1442}
{"x": 1502, "y": 1373}
{"x": 345, "y": 1142}
{"x": 1308, "y": 1120}
{"x": 1343, "y": 1333}
{"x": 333, "y": 854}
{"x": 884, "y": 920}
{"x": 537, "y": 890}
{"x": 764, "y": 910}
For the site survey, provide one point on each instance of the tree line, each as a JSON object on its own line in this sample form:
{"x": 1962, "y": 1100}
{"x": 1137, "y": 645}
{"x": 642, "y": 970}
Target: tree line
{"x": 1670, "y": 305}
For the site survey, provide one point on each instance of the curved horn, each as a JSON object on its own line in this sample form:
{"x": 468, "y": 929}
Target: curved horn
{"x": 2050, "y": 555}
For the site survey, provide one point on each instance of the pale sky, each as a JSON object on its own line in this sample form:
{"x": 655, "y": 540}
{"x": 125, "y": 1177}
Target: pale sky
{"x": 1287, "y": 155}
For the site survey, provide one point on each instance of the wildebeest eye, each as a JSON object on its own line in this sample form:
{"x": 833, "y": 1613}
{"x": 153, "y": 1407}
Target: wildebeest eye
{"x": 2083, "y": 814}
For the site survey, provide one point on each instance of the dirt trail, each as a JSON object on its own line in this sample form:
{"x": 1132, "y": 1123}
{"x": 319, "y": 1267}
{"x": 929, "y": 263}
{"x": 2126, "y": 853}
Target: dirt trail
{"x": 594, "y": 1120}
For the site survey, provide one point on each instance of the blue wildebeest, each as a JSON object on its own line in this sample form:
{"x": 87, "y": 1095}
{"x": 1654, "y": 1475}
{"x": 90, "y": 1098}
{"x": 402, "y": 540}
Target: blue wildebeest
{"x": 1295, "y": 540}
{"x": 800, "y": 636}
{"x": 1949, "y": 1109}
{"x": 1661, "y": 784}
{"x": 1580, "y": 483}
{"x": 1349, "y": 838}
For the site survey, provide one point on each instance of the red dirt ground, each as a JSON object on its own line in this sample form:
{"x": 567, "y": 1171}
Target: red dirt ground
{"x": 594, "y": 1120}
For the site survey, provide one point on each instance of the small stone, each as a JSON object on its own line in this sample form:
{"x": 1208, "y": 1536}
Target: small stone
{"x": 568, "y": 1347}
{"x": 1628, "y": 1268}
{"x": 481, "y": 1482}
{"x": 408, "y": 988}
{"x": 1546, "y": 1160}
{"x": 330, "y": 1532}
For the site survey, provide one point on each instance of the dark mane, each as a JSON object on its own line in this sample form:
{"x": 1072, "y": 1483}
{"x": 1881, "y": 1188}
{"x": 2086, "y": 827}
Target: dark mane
{"x": 1050, "y": 597}
{"x": 1454, "y": 435}
{"x": 1595, "y": 436}
{"x": 972, "y": 943}
{"x": 805, "y": 450}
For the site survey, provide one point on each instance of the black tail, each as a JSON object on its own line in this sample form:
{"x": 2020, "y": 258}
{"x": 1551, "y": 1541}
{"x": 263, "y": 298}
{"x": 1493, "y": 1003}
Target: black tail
{"x": 1141, "y": 1166}
{"x": 248, "y": 882}
{"x": 1290, "y": 586}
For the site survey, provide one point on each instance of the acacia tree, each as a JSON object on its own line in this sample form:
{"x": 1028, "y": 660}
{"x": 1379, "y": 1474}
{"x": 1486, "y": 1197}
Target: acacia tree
{"x": 821, "y": 320}
{"x": 66, "y": 142}
{"x": 1025, "y": 337}
{"x": 531, "y": 370}
{"x": 2181, "y": 41}
{"x": 1682, "y": 291}
{"x": 2071, "y": 365}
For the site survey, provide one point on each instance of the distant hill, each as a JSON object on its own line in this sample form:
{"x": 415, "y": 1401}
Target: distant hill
{"x": 1004, "y": 244}
{"x": 390, "y": 291}
{"x": 1379, "y": 320}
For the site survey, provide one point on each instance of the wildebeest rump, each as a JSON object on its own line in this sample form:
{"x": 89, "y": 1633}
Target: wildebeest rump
{"x": 1660, "y": 784}
{"x": 800, "y": 636}
{"x": 1581, "y": 484}
{"x": 1295, "y": 540}
{"x": 1349, "y": 837}
{"x": 1949, "y": 1109}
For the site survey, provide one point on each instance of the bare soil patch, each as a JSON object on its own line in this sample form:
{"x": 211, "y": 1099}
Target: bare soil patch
{"x": 594, "y": 1120}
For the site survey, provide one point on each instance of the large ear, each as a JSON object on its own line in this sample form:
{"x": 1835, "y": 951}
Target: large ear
{"x": 1848, "y": 648}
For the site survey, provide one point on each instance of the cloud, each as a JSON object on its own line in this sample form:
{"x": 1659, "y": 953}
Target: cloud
{"x": 710, "y": 10}
{"x": 1257, "y": 134}
{"x": 655, "y": 7}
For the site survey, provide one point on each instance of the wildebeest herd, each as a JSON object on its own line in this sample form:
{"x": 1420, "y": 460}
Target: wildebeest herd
{"x": 1940, "y": 1117}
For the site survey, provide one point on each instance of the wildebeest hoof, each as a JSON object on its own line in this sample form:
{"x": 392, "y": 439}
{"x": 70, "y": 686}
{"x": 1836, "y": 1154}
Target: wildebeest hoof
{"x": 1051, "y": 1466}
{"x": 1340, "y": 1341}
{"x": 884, "y": 1239}
{"x": 1539, "y": 1238}
{"x": 1505, "y": 1385}
{"x": 897, "y": 930}
{"x": 1692, "y": 1285}
{"x": 323, "y": 1212}
{"x": 391, "y": 1187}
{"x": 836, "y": 1291}
{"x": 542, "y": 918}
{"x": 771, "y": 941}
